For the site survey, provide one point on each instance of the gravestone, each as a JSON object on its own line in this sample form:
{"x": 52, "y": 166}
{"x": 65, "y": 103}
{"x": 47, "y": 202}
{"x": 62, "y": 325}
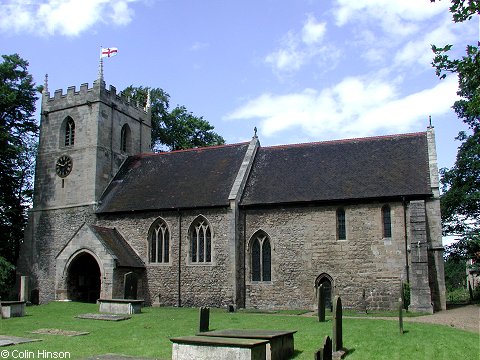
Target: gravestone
{"x": 325, "y": 353}
{"x": 130, "y": 286}
{"x": 400, "y": 315}
{"x": 364, "y": 299}
{"x": 24, "y": 288}
{"x": 337, "y": 324}
{"x": 321, "y": 303}
{"x": 204, "y": 319}
{"x": 35, "y": 297}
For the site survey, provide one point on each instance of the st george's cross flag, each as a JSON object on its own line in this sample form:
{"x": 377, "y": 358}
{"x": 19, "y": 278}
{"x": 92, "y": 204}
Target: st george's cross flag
{"x": 108, "y": 52}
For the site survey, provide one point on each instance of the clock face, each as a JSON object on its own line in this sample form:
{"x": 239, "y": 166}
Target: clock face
{"x": 64, "y": 166}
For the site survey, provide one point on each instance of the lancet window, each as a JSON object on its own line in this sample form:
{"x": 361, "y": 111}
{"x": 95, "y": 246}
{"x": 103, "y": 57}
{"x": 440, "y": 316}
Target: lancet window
{"x": 261, "y": 254}
{"x": 200, "y": 241}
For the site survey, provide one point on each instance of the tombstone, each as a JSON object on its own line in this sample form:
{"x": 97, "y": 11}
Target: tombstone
{"x": 35, "y": 297}
{"x": 204, "y": 319}
{"x": 400, "y": 315}
{"x": 130, "y": 286}
{"x": 156, "y": 302}
{"x": 364, "y": 299}
{"x": 337, "y": 324}
{"x": 324, "y": 353}
{"x": 321, "y": 303}
{"x": 23, "y": 288}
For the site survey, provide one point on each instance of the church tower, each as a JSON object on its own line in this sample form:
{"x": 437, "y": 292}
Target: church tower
{"x": 84, "y": 138}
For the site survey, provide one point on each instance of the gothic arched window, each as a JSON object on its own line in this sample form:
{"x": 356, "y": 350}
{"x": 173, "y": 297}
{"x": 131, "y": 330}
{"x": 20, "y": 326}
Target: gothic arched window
{"x": 341, "y": 225}
{"x": 69, "y": 132}
{"x": 387, "y": 221}
{"x": 159, "y": 242}
{"x": 125, "y": 139}
{"x": 261, "y": 257}
{"x": 200, "y": 235}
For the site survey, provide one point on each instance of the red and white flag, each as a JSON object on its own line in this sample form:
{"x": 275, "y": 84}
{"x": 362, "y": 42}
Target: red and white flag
{"x": 108, "y": 52}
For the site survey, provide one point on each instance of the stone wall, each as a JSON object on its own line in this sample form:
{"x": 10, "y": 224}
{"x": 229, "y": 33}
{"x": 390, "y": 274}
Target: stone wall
{"x": 179, "y": 282}
{"x": 46, "y": 235}
{"x": 305, "y": 245}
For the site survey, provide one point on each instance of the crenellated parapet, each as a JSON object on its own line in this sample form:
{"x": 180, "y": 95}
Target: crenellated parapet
{"x": 89, "y": 95}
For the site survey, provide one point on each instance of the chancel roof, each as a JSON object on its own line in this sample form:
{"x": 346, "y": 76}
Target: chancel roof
{"x": 192, "y": 178}
{"x": 118, "y": 247}
{"x": 377, "y": 167}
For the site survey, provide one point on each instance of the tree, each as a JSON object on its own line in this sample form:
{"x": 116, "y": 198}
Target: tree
{"x": 460, "y": 200}
{"x": 18, "y": 132}
{"x": 175, "y": 130}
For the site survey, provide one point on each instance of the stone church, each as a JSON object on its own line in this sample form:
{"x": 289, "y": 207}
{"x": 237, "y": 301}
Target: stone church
{"x": 239, "y": 224}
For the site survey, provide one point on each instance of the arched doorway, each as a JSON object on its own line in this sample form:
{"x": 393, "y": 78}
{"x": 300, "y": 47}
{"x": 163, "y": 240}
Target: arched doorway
{"x": 83, "y": 279}
{"x": 327, "y": 282}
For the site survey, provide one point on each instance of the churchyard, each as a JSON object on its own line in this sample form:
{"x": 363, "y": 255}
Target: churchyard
{"x": 148, "y": 334}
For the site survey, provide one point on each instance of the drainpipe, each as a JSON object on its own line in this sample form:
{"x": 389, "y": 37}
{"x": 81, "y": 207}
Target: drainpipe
{"x": 407, "y": 268}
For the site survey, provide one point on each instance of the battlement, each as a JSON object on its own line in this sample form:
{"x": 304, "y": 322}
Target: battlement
{"x": 88, "y": 95}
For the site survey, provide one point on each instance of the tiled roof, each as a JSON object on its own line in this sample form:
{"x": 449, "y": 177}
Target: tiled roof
{"x": 387, "y": 166}
{"x": 193, "y": 178}
{"x": 118, "y": 246}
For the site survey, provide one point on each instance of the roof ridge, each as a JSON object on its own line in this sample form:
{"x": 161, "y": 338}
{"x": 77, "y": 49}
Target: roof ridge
{"x": 202, "y": 148}
{"x": 379, "y": 137}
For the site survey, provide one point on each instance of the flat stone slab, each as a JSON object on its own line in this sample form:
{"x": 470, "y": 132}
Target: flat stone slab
{"x": 218, "y": 341}
{"x": 248, "y": 334}
{"x": 116, "y": 357}
{"x": 14, "y": 340}
{"x": 106, "y": 317}
{"x": 59, "y": 332}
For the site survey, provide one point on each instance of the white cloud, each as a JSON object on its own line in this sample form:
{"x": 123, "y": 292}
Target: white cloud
{"x": 65, "y": 17}
{"x": 354, "y": 107}
{"x": 299, "y": 48}
{"x": 313, "y": 31}
{"x": 197, "y": 46}
{"x": 392, "y": 13}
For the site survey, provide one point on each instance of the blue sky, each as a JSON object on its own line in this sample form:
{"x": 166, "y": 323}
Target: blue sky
{"x": 300, "y": 71}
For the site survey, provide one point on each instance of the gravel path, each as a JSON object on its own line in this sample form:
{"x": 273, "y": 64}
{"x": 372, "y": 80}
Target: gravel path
{"x": 465, "y": 317}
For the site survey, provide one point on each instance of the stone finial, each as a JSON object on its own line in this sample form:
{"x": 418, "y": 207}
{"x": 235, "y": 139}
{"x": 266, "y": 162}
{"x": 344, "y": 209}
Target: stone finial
{"x": 255, "y": 132}
{"x": 100, "y": 71}
{"x": 148, "y": 105}
{"x": 45, "y": 85}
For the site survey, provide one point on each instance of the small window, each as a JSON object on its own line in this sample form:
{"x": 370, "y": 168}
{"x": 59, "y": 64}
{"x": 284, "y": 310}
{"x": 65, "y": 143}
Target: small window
{"x": 341, "y": 226}
{"x": 69, "y": 132}
{"x": 261, "y": 257}
{"x": 200, "y": 241}
{"x": 159, "y": 243}
{"x": 387, "y": 221}
{"x": 125, "y": 139}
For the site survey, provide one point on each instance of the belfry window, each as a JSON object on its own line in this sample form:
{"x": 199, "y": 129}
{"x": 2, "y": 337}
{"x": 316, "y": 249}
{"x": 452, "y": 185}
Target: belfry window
{"x": 125, "y": 138}
{"x": 387, "y": 221}
{"x": 69, "y": 132}
{"x": 200, "y": 235}
{"x": 261, "y": 257}
{"x": 341, "y": 225}
{"x": 159, "y": 243}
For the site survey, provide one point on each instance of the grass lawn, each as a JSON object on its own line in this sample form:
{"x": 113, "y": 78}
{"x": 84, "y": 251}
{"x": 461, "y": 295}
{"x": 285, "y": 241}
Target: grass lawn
{"x": 147, "y": 334}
